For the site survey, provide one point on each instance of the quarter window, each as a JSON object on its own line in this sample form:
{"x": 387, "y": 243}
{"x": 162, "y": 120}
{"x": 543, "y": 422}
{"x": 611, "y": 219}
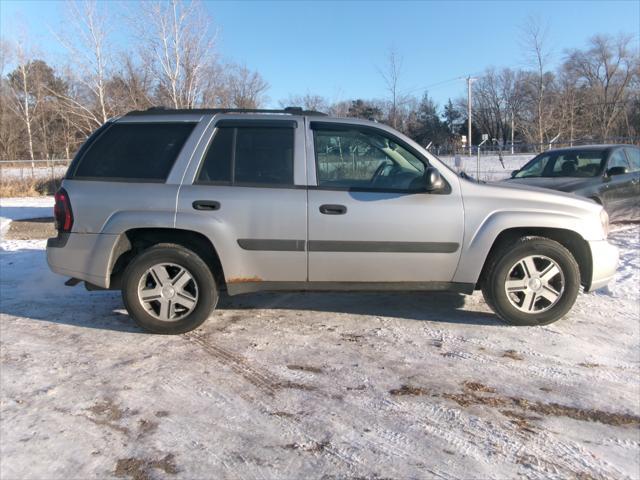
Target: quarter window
{"x": 364, "y": 159}
{"x": 134, "y": 151}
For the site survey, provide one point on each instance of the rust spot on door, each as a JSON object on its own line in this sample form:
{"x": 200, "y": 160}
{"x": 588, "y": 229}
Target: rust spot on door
{"x": 244, "y": 279}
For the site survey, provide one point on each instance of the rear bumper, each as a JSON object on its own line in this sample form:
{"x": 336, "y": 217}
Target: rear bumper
{"x": 86, "y": 256}
{"x": 604, "y": 258}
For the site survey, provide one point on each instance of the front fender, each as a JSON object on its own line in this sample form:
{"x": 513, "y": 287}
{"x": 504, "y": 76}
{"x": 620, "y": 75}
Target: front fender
{"x": 481, "y": 238}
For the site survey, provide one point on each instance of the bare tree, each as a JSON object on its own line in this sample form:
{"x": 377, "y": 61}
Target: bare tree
{"x": 86, "y": 40}
{"x": 246, "y": 88}
{"x": 535, "y": 44}
{"x": 23, "y": 103}
{"x": 391, "y": 76}
{"x": 308, "y": 102}
{"x": 177, "y": 40}
{"x": 606, "y": 69}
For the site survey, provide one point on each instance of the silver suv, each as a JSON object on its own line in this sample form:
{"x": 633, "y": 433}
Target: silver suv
{"x": 174, "y": 207}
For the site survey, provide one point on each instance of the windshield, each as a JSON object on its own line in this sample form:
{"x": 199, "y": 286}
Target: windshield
{"x": 574, "y": 163}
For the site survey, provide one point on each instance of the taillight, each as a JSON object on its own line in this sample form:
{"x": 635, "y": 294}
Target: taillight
{"x": 62, "y": 211}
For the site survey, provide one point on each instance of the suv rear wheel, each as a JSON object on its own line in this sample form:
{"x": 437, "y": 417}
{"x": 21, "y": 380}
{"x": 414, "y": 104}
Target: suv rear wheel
{"x": 169, "y": 289}
{"x": 534, "y": 282}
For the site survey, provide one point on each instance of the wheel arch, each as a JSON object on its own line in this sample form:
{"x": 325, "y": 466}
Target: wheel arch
{"x": 133, "y": 241}
{"x": 569, "y": 239}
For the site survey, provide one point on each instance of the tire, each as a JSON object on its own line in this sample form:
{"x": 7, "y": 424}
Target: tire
{"x": 178, "y": 286}
{"x": 532, "y": 286}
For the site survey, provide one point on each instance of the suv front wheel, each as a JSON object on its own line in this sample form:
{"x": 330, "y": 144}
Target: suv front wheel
{"x": 169, "y": 289}
{"x": 534, "y": 282}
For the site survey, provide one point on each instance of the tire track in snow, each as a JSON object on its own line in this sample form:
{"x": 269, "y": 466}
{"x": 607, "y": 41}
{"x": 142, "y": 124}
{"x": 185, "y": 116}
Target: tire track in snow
{"x": 393, "y": 443}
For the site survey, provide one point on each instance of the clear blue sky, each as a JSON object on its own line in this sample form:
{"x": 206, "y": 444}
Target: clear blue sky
{"x": 334, "y": 48}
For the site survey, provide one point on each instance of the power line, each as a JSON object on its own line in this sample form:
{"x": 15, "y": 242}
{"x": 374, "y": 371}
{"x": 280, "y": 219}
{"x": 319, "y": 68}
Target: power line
{"x": 442, "y": 82}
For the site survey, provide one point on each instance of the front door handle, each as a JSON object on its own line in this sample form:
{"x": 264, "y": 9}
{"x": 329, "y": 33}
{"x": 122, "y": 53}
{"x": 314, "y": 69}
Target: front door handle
{"x": 206, "y": 205}
{"x": 333, "y": 209}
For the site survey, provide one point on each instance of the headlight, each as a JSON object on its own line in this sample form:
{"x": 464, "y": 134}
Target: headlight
{"x": 604, "y": 219}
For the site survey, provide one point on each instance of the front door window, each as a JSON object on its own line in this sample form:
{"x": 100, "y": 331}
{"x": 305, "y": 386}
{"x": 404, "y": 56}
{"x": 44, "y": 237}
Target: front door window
{"x": 365, "y": 160}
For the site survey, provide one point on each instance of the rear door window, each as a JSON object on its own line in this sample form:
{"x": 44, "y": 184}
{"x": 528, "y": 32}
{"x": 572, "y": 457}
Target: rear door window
{"x": 134, "y": 151}
{"x": 216, "y": 167}
{"x": 264, "y": 156}
{"x": 251, "y": 156}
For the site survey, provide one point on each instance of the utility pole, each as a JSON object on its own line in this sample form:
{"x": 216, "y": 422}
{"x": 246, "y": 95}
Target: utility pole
{"x": 469, "y": 80}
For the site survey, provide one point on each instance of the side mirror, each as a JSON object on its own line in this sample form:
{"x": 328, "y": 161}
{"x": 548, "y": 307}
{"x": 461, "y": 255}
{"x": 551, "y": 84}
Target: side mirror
{"x": 514, "y": 173}
{"x": 616, "y": 171}
{"x": 432, "y": 180}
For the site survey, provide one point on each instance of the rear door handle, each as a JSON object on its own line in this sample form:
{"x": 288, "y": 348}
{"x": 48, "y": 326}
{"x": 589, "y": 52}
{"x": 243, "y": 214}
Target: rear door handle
{"x": 206, "y": 205}
{"x": 333, "y": 209}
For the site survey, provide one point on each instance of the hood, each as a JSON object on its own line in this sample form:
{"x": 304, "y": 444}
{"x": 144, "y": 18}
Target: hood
{"x": 564, "y": 184}
{"x": 527, "y": 195}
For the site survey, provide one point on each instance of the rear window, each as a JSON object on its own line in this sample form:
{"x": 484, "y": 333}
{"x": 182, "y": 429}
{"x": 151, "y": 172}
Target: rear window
{"x": 134, "y": 151}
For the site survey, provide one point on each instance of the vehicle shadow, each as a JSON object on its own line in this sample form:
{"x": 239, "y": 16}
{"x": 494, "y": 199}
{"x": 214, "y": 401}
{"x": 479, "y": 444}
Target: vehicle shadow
{"x": 31, "y": 291}
{"x": 420, "y": 306}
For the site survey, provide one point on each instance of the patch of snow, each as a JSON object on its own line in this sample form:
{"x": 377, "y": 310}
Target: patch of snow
{"x": 25, "y": 172}
{"x": 491, "y": 168}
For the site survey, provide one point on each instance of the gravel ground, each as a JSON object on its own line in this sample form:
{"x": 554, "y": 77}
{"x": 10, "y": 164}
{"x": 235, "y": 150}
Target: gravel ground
{"x": 315, "y": 385}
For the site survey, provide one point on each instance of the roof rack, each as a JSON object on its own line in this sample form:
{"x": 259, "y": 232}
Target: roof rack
{"x": 212, "y": 111}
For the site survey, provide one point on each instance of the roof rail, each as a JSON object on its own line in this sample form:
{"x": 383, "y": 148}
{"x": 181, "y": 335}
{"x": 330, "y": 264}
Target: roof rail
{"x": 159, "y": 110}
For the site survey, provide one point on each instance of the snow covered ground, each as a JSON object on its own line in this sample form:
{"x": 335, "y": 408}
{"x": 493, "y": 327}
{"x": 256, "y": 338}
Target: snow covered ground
{"x": 491, "y": 169}
{"x": 314, "y": 385}
{"x": 40, "y": 172}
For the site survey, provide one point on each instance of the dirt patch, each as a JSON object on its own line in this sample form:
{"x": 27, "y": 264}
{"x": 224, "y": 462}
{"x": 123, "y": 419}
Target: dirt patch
{"x": 107, "y": 414}
{"x": 408, "y": 390}
{"x": 589, "y": 365}
{"x": 351, "y": 337}
{"x": 283, "y": 414}
{"x": 305, "y": 368}
{"x": 468, "y": 398}
{"x": 296, "y": 386}
{"x": 478, "y": 387}
{"x": 108, "y": 410}
{"x": 512, "y": 354}
{"x": 584, "y": 414}
{"x": 31, "y": 229}
{"x": 140, "y": 468}
{"x": 162, "y": 413}
{"x": 520, "y": 420}
{"x": 313, "y": 447}
{"x": 146, "y": 427}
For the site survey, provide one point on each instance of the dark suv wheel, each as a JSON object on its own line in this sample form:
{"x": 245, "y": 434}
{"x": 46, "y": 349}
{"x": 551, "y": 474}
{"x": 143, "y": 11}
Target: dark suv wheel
{"x": 169, "y": 289}
{"x": 532, "y": 282}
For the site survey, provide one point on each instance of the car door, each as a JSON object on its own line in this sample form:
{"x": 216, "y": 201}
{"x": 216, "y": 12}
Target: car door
{"x": 367, "y": 220}
{"x": 248, "y": 196}
{"x": 617, "y": 189}
{"x": 633, "y": 156}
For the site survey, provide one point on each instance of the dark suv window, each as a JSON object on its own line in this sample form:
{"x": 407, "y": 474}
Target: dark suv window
{"x": 134, "y": 151}
{"x": 262, "y": 156}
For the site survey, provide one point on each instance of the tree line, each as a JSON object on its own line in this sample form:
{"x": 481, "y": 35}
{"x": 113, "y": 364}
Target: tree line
{"x": 47, "y": 110}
